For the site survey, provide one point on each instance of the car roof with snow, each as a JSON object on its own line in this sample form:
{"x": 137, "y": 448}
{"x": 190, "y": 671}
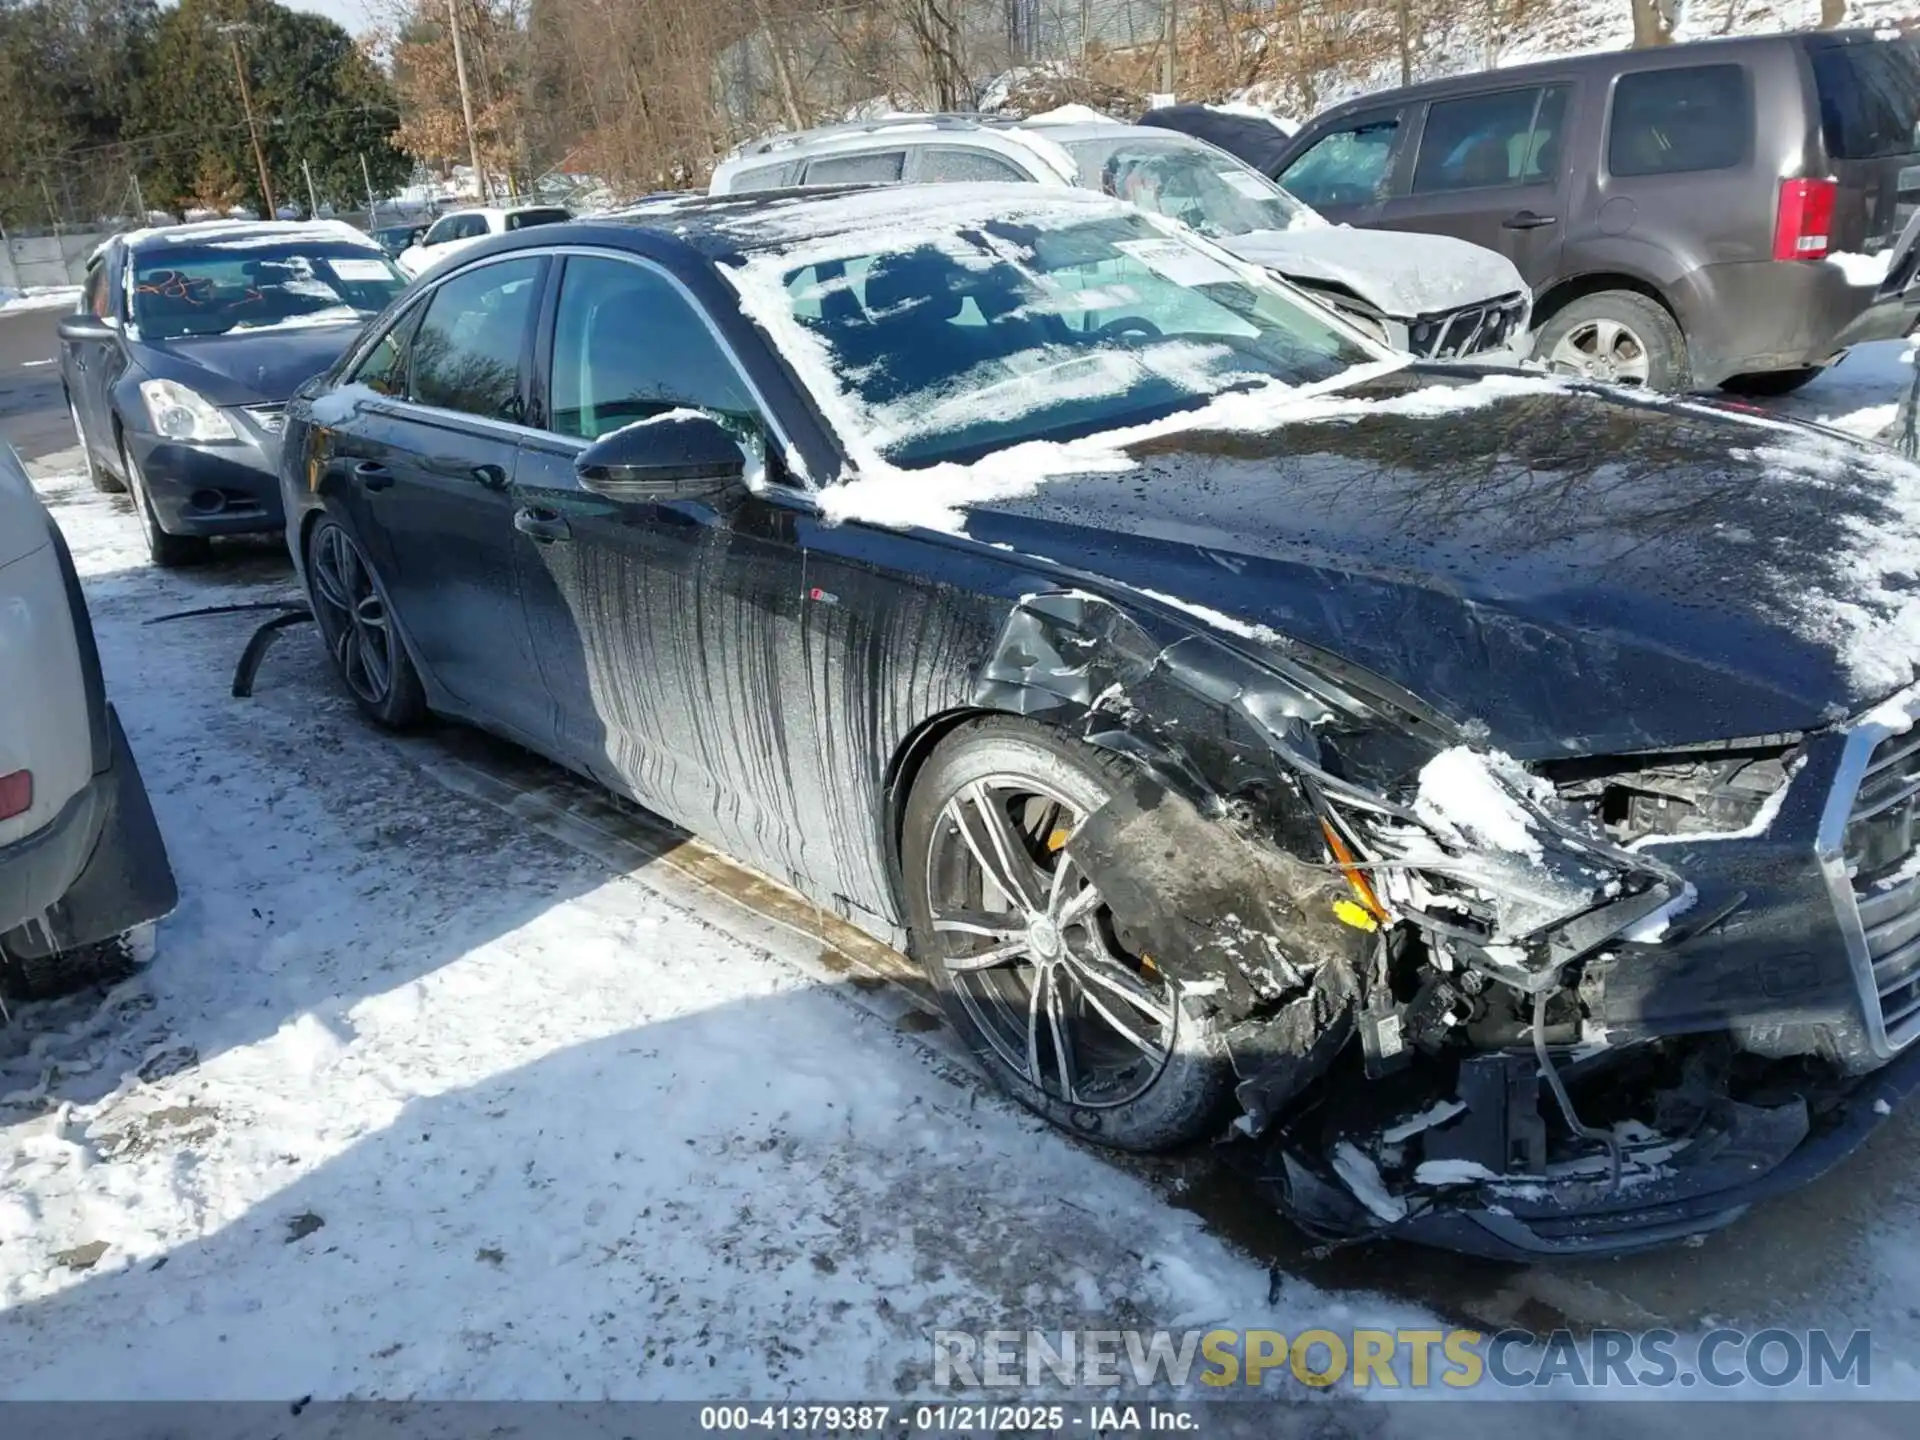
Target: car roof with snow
{"x": 725, "y": 226}
{"x": 246, "y": 232}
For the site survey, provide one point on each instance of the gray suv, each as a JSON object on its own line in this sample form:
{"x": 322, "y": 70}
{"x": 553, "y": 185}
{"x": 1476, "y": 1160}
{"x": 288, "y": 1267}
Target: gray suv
{"x": 1721, "y": 213}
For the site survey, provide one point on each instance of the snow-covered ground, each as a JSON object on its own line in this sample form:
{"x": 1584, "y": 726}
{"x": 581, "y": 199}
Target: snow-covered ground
{"x": 1861, "y": 393}
{"x": 38, "y": 297}
{"x": 441, "y": 1086}
{"x": 418, "y": 1101}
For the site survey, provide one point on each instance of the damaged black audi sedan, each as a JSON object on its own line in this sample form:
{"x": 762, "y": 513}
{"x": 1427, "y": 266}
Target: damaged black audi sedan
{"x": 1487, "y": 804}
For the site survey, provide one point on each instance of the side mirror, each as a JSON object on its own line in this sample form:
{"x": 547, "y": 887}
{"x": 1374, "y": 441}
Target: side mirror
{"x": 86, "y": 326}
{"x": 678, "y": 455}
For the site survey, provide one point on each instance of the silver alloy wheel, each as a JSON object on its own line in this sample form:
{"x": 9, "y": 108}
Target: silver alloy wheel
{"x": 352, "y": 614}
{"x": 1603, "y": 350}
{"x": 1031, "y": 951}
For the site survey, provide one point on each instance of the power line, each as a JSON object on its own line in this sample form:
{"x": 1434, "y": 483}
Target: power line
{"x": 146, "y": 142}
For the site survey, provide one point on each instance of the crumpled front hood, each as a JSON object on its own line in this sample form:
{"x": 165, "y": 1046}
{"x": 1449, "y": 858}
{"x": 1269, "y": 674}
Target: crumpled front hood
{"x": 1577, "y": 569}
{"x": 1403, "y": 275}
{"x": 249, "y": 367}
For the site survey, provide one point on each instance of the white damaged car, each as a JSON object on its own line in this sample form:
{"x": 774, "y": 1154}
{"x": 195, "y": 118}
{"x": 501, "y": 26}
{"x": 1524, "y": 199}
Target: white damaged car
{"x": 83, "y": 870}
{"x": 1431, "y": 295}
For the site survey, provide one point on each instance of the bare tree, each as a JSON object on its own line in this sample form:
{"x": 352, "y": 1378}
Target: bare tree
{"x": 1654, "y": 22}
{"x": 936, "y": 35}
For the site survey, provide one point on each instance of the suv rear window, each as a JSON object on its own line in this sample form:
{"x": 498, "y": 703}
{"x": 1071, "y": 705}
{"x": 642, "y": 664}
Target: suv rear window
{"x": 1671, "y": 122}
{"x": 1869, "y": 99}
{"x": 552, "y": 215}
{"x": 867, "y": 167}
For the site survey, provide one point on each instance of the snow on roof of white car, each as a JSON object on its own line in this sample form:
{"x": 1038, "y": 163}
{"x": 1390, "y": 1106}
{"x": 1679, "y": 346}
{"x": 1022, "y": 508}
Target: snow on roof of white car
{"x": 240, "y": 234}
{"x": 860, "y": 219}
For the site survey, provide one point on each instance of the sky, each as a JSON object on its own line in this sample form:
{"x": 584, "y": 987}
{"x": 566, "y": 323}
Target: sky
{"x": 351, "y": 13}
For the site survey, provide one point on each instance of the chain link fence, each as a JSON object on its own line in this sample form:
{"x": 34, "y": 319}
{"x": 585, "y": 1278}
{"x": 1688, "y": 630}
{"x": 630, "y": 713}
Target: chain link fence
{"x": 55, "y": 210}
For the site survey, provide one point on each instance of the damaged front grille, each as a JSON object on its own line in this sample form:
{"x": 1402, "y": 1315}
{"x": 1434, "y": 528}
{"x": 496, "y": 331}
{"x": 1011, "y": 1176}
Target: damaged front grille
{"x": 1473, "y": 330}
{"x": 1883, "y": 870}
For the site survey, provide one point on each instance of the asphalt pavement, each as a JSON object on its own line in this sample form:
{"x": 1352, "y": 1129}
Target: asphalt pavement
{"x": 33, "y": 409}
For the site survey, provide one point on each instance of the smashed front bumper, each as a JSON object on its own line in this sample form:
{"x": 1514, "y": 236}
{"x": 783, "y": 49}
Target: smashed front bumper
{"x": 1753, "y": 1154}
{"x": 1652, "y": 1081}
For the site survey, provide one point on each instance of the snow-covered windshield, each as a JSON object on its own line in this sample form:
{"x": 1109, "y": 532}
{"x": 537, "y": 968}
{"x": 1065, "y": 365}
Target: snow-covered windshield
{"x": 1190, "y": 182}
{"x": 218, "y": 288}
{"x": 981, "y": 336}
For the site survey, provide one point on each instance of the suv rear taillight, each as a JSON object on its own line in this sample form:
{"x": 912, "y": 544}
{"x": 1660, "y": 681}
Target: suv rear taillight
{"x": 1803, "y": 230}
{"x": 16, "y": 794}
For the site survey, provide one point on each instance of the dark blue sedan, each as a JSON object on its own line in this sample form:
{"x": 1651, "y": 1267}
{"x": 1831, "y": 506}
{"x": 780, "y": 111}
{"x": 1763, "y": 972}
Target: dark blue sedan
{"x": 1490, "y": 804}
{"x": 180, "y": 359}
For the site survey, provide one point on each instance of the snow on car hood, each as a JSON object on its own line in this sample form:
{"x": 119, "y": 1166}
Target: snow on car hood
{"x": 1403, "y": 275}
{"x": 1576, "y": 568}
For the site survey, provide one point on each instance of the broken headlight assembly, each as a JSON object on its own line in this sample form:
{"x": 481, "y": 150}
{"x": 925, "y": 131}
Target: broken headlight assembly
{"x": 1723, "y": 791}
{"x": 1501, "y": 871}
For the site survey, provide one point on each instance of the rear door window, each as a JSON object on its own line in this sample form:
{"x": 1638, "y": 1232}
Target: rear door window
{"x": 1511, "y": 137}
{"x": 1672, "y": 122}
{"x": 763, "y": 177}
{"x": 1869, "y": 99}
{"x": 942, "y": 166}
{"x": 882, "y": 167}
{"x": 1347, "y": 166}
{"x": 548, "y": 215}
{"x": 467, "y": 353}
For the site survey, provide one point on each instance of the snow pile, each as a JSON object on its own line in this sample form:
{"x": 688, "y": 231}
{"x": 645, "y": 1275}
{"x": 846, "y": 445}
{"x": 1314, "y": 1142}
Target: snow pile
{"x": 1070, "y": 114}
{"x": 342, "y": 404}
{"x": 1472, "y": 799}
{"x": 1862, "y": 269}
{"x": 39, "y": 297}
{"x": 1241, "y": 108}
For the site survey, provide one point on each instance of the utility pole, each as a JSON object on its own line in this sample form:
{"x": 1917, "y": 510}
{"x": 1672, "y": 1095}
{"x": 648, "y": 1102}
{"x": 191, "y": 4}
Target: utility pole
{"x": 313, "y": 201}
{"x": 1169, "y": 62}
{"x": 466, "y": 101}
{"x": 233, "y": 33}
{"x": 373, "y": 206}
{"x": 139, "y": 198}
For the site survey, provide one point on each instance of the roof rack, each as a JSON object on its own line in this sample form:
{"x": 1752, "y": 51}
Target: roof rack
{"x": 939, "y": 120}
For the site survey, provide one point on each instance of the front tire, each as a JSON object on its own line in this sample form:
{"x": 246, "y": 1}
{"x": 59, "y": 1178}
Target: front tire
{"x": 1617, "y": 337}
{"x": 1060, "y": 1009}
{"x": 96, "y": 474}
{"x": 356, "y": 625}
{"x": 167, "y": 551}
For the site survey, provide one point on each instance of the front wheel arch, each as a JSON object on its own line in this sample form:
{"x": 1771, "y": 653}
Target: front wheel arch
{"x": 1071, "y": 721}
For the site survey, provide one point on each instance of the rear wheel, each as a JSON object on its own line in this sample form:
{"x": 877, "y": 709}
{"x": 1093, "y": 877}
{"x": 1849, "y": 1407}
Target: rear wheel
{"x": 1060, "y": 1006}
{"x": 356, "y": 625}
{"x": 166, "y": 550}
{"x": 1769, "y": 383}
{"x": 1617, "y": 337}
